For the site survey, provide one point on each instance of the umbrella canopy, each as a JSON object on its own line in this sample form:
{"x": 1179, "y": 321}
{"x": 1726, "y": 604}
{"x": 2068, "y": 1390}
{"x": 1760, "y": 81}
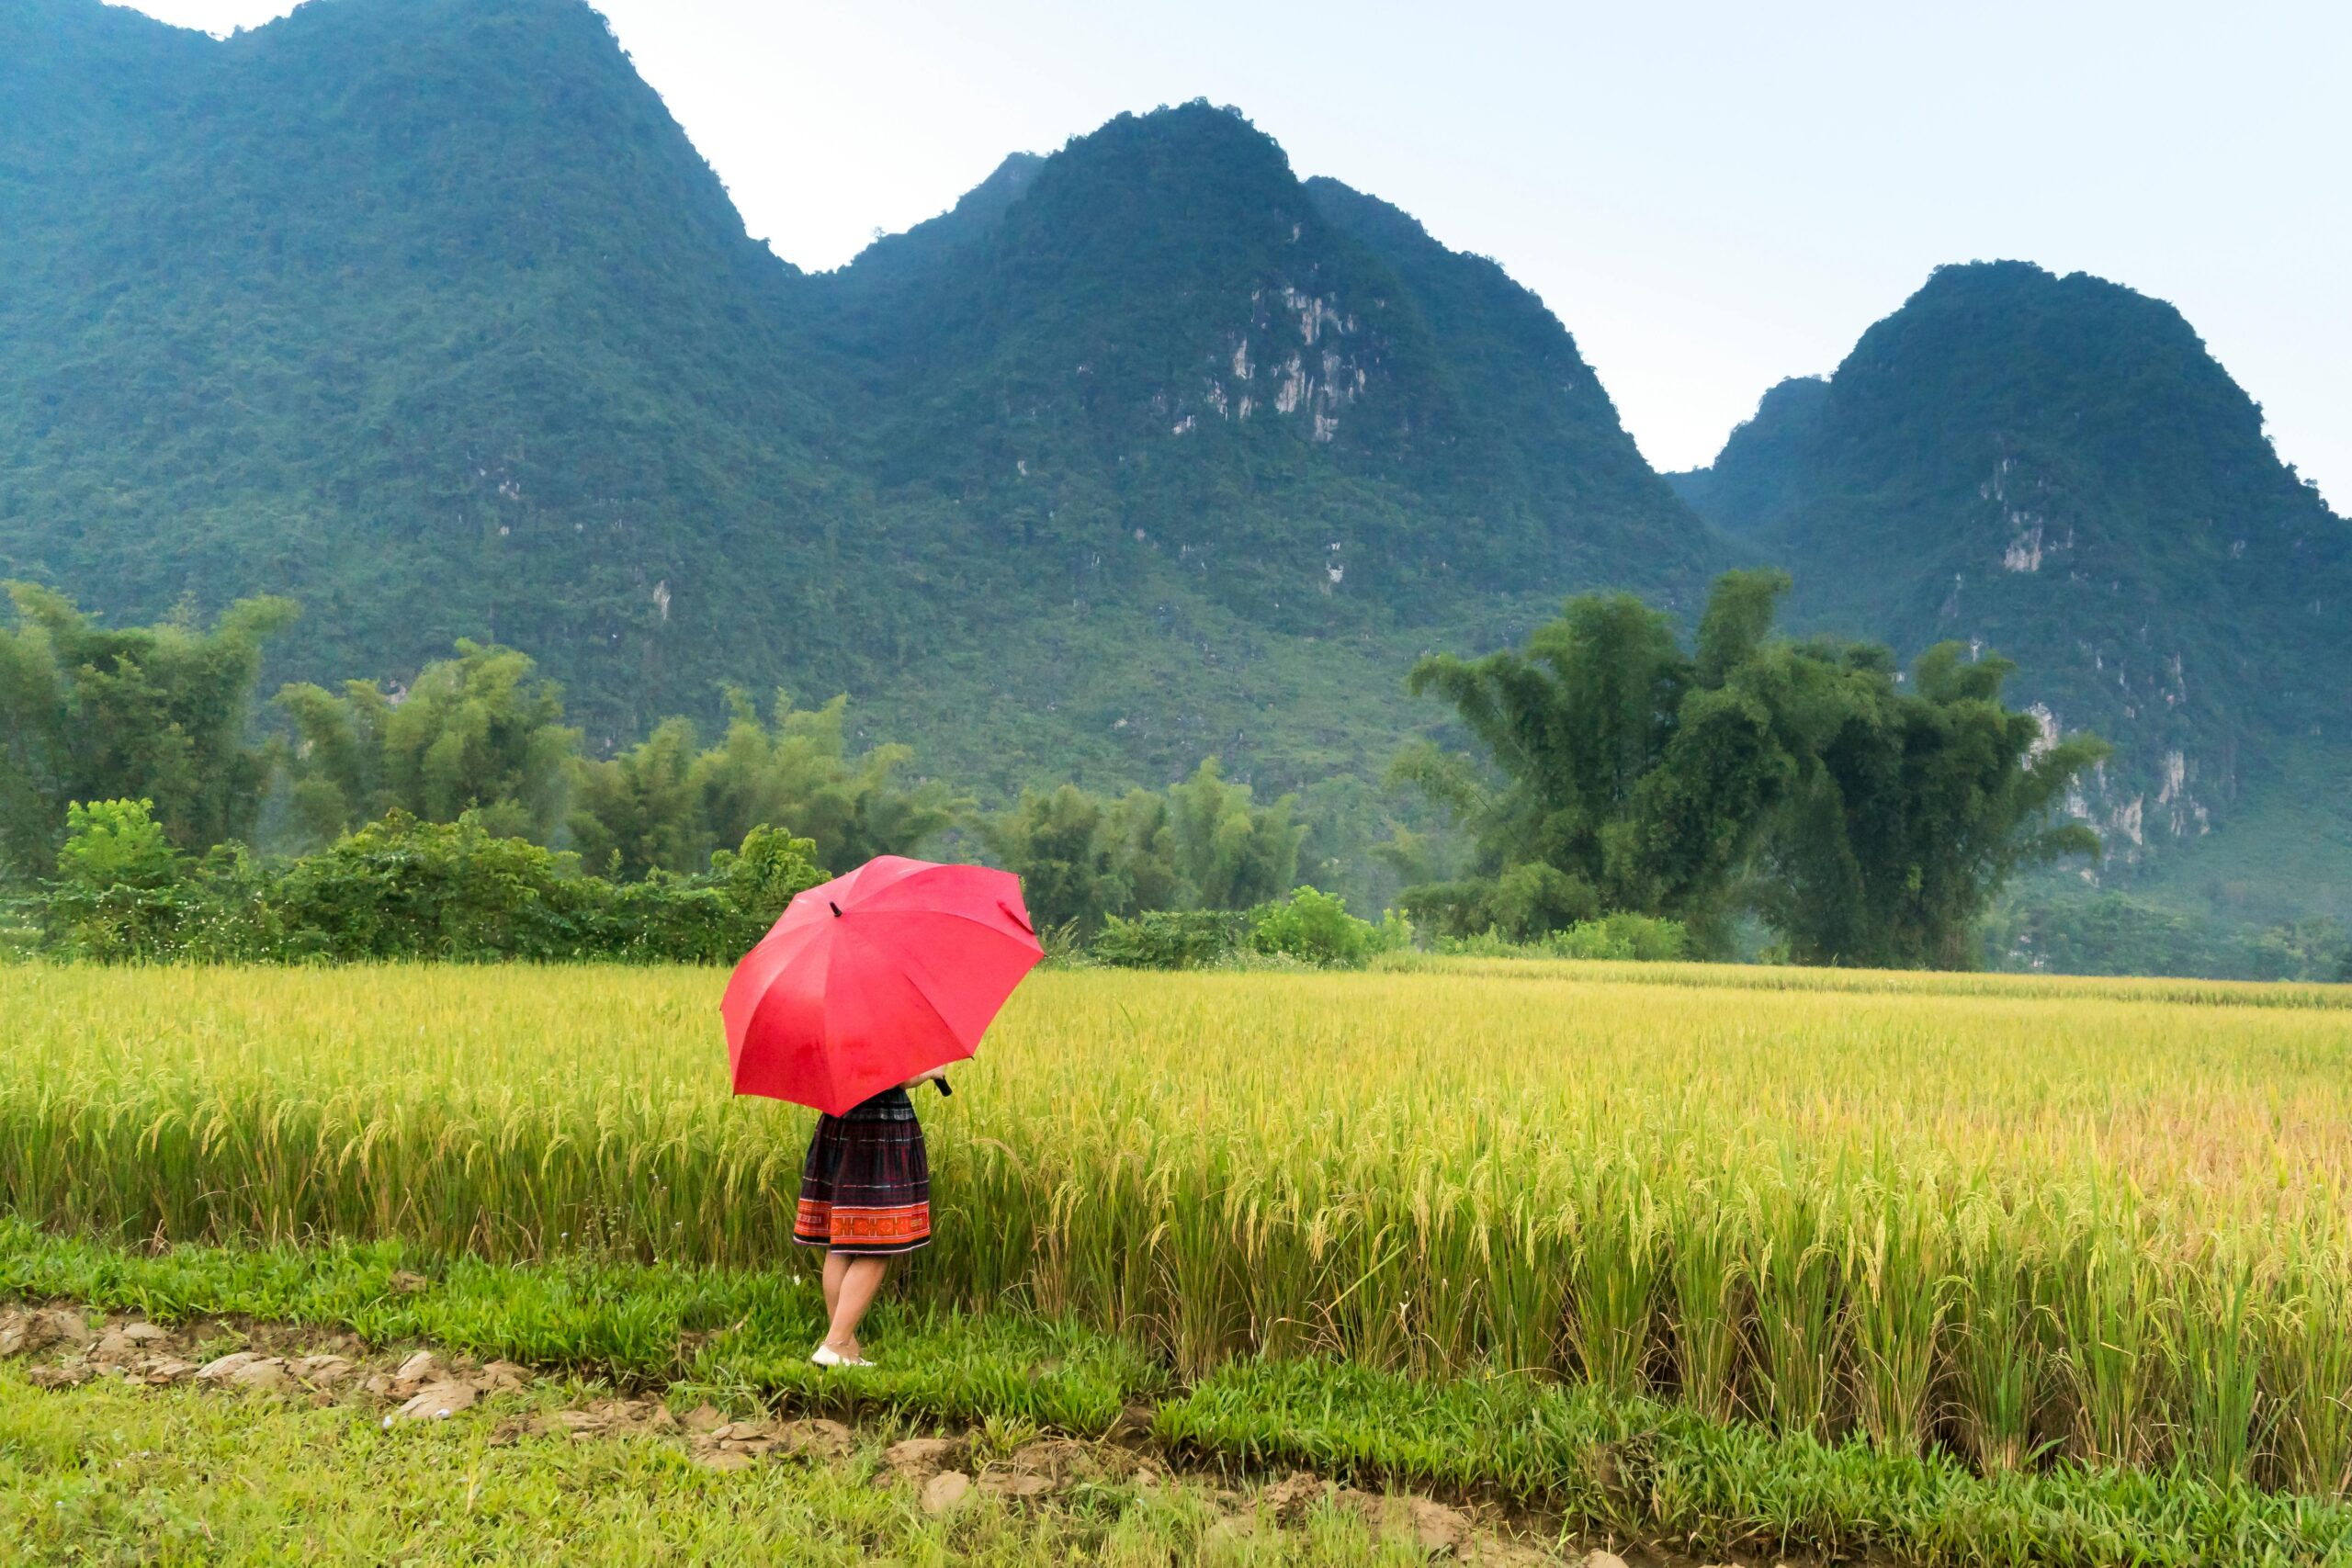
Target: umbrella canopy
{"x": 875, "y": 977}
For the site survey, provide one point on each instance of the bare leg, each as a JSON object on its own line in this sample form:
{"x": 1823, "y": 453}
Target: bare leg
{"x": 836, "y": 1265}
{"x": 861, "y": 1279}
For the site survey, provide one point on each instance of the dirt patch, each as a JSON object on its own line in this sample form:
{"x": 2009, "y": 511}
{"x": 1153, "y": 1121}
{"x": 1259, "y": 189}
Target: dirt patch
{"x": 733, "y": 1445}
{"x": 275, "y": 1358}
{"x": 946, "y": 1490}
{"x": 1051, "y": 1466}
{"x": 917, "y": 1459}
{"x": 66, "y": 1348}
{"x": 712, "y": 1438}
{"x": 25, "y": 1331}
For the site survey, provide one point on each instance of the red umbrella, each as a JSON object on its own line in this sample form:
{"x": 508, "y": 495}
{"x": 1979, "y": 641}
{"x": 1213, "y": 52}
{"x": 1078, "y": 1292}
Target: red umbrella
{"x": 888, "y": 972}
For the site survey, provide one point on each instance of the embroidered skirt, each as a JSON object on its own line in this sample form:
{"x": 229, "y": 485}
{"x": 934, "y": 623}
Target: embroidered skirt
{"x": 866, "y": 1188}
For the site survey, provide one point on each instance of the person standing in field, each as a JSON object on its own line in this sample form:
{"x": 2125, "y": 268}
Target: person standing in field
{"x": 865, "y": 1199}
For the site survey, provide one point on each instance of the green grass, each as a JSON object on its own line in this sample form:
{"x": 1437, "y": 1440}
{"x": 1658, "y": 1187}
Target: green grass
{"x": 1629, "y": 1466}
{"x": 108, "y": 1474}
{"x": 626, "y": 1322}
{"x": 1638, "y": 1468}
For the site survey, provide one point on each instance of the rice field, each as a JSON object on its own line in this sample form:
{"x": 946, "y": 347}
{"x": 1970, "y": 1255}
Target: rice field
{"x": 2014, "y": 1219}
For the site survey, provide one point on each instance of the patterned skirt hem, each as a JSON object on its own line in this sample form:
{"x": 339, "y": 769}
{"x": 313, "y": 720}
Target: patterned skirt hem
{"x": 863, "y": 1232}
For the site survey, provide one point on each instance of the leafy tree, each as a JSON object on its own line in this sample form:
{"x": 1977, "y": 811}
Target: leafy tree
{"x": 119, "y": 886}
{"x": 1143, "y": 837}
{"x": 161, "y": 714}
{"x": 1203, "y": 844}
{"x": 641, "y": 810}
{"x": 1082, "y": 858}
{"x": 762, "y": 873}
{"x": 116, "y": 843}
{"x": 1234, "y": 853}
{"x": 1573, "y": 725}
{"x": 662, "y": 804}
{"x": 797, "y": 770}
{"x": 1869, "y": 823}
{"x": 1056, "y": 843}
{"x": 482, "y": 732}
{"x": 1915, "y": 812}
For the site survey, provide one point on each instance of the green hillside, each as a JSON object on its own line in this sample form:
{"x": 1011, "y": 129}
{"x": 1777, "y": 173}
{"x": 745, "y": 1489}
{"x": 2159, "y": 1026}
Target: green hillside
{"x": 2057, "y": 467}
{"x": 426, "y": 313}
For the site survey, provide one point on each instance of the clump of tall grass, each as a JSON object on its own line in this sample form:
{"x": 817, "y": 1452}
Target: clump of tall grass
{"x": 2017, "y": 1222}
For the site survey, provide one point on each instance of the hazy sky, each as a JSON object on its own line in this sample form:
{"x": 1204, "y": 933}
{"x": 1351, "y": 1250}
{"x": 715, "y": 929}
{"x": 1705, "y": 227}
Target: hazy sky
{"x": 1711, "y": 197}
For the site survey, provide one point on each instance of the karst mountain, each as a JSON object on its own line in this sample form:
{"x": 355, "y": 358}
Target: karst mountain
{"x": 2057, "y": 467}
{"x": 427, "y": 313}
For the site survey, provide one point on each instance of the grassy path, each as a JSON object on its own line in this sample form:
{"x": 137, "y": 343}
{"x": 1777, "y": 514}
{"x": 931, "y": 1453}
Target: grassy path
{"x": 1622, "y": 1467}
{"x": 109, "y": 1473}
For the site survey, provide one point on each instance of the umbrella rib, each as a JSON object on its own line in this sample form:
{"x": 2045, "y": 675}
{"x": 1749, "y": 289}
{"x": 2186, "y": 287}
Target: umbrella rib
{"x": 916, "y": 986}
{"x": 949, "y": 915}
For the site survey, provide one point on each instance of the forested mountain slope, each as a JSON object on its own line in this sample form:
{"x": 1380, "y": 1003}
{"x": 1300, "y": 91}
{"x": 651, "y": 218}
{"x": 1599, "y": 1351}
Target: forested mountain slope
{"x": 2057, "y": 467}
{"x": 425, "y": 312}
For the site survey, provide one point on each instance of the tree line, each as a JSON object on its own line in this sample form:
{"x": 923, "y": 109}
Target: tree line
{"x": 1604, "y": 771}
{"x": 1866, "y": 814}
{"x": 171, "y": 715}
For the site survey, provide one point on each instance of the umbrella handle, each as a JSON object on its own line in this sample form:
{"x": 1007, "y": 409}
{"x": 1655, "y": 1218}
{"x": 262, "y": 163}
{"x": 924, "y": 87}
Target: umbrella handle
{"x": 944, "y": 1089}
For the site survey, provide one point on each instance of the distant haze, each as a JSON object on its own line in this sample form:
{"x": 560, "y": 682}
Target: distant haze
{"x": 1709, "y": 197}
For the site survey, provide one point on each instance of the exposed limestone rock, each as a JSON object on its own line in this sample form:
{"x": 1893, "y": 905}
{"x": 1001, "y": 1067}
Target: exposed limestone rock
{"x": 161, "y": 1371}
{"x": 219, "y": 1368}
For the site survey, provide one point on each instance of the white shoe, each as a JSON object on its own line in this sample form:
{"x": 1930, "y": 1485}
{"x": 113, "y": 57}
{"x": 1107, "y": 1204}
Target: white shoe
{"x": 826, "y": 1356}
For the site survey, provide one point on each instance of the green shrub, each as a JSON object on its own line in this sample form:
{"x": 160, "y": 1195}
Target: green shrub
{"x": 121, "y": 886}
{"x": 1307, "y": 927}
{"x": 1647, "y": 938}
{"x": 20, "y": 940}
{"x": 1169, "y": 939}
{"x": 1643, "y": 938}
{"x": 400, "y": 888}
{"x": 1315, "y": 927}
